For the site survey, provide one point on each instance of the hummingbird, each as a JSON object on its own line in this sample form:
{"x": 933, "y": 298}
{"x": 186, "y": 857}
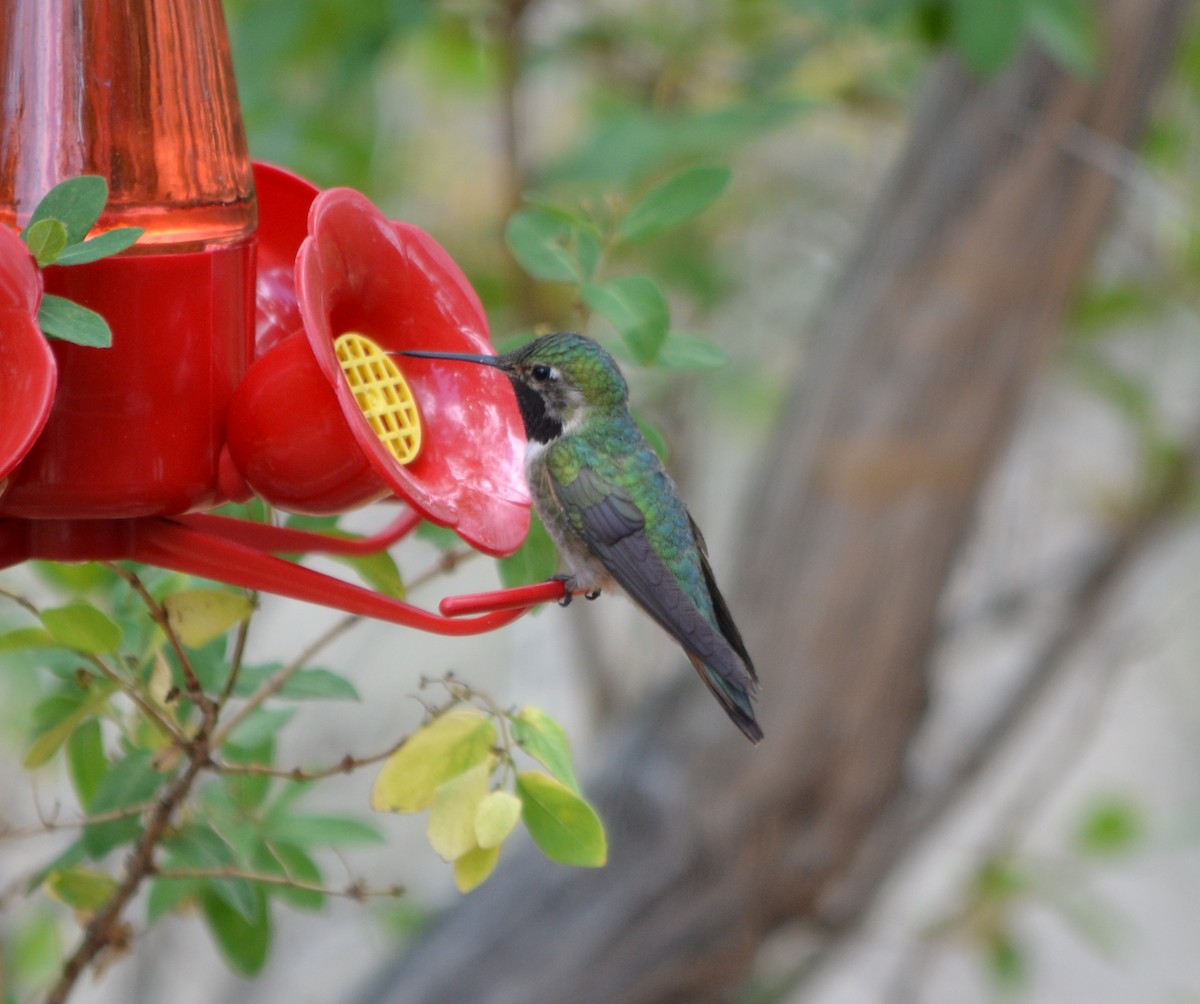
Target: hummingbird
{"x": 612, "y": 510}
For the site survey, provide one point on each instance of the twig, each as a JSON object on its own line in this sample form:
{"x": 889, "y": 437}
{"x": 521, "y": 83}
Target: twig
{"x": 447, "y": 562}
{"x": 510, "y": 47}
{"x": 52, "y": 825}
{"x": 357, "y": 890}
{"x": 102, "y": 928}
{"x": 130, "y": 690}
{"x": 235, "y": 661}
{"x": 21, "y": 601}
{"x": 195, "y": 691}
{"x": 347, "y": 765}
{"x": 280, "y": 677}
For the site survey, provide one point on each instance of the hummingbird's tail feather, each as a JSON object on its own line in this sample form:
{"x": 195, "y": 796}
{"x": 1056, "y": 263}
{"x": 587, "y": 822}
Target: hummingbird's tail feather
{"x": 729, "y": 630}
{"x": 731, "y": 697}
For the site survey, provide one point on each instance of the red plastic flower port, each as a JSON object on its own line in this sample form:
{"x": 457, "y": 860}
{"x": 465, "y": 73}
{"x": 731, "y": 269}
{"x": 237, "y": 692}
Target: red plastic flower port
{"x": 28, "y": 373}
{"x": 358, "y": 272}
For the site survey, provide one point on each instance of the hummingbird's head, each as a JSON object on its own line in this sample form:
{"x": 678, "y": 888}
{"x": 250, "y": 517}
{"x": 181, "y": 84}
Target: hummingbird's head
{"x": 557, "y": 378}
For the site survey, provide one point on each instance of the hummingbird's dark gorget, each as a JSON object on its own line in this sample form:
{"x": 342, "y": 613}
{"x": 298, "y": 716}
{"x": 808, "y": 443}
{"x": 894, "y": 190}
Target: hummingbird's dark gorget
{"x": 540, "y": 425}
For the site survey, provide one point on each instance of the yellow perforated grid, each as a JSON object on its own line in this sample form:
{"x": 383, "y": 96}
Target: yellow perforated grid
{"x": 382, "y": 393}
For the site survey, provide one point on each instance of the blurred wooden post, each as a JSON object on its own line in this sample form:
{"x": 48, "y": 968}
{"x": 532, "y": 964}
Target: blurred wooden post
{"x": 918, "y": 370}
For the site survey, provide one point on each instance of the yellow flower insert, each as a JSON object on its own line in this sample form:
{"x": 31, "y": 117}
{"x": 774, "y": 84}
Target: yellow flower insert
{"x": 382, "y": 393}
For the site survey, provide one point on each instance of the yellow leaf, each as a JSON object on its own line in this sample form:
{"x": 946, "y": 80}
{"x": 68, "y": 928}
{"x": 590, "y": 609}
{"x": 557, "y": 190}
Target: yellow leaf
{"x": 81, "y": 888}
{"x": 451, "y": 828}
{"x": 496, "y": 817}
{"x": 448, "y": 746}
{"x": 198, "y": 616}
{"x": 473, "y": 868}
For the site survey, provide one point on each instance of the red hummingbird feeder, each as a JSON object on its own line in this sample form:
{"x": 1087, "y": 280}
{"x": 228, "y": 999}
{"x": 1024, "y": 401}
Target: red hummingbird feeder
{"x": 253, "y": 326}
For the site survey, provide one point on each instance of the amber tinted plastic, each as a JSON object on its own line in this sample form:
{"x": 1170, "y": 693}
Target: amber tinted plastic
{"x": 138, "y": 91}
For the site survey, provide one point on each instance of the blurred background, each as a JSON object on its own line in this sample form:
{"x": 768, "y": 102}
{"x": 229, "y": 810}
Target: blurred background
{"x": 935, "y": 401}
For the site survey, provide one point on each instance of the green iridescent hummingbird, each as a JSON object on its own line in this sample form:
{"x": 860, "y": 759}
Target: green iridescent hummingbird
{"x": 614, "y": 512}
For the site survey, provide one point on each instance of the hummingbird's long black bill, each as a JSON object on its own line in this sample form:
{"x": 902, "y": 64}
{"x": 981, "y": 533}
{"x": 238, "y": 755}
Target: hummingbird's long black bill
{"x": 466, "y": 357}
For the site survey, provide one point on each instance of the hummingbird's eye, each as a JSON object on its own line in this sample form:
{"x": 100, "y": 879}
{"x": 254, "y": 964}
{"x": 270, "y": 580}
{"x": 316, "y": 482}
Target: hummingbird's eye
{"x": 541, "y": 372}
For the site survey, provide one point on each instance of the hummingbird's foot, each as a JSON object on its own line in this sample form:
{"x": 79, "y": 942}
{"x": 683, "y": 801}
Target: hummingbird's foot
{"x": 568, "y": 587}
{"x": 571, "y": 587}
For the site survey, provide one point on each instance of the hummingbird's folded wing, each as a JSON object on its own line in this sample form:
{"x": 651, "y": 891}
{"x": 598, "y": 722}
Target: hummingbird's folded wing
{"x": 614, "y": 529}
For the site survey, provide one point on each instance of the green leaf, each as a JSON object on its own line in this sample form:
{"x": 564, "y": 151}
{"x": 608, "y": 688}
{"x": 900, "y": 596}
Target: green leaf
{"x": 304, "y": 685}
{"x": 130, "y": 781}
{"x": 81, "y": 888}
{"x": 495, "y": 818}
{"x": 441, "y": 537}
{"x": 103, "y": 245}
{"x": 77, "y": 203}
{"x": 72, "y": 577}
{"x": 451, "y": 828}
{"x": 245, "y": 943}
{"x": 290, "y": 861}
{"x": 546, "y": 741}
{"x": 637, "y": 308}
{"x": 449, "y": 745}
{"x": 168, "y": 895}
{"x": 673, "y": 202}
{"x": 636, "y": 142}
{"x": 87, "y": 761}
{"x": 561, "y": 823}
{"x": 200, "y": 846}
{"x": 568, "y": 214}
{"x": 534, "y": 561}
{"x": 1007, "y": 961}
{"x": 248, "y": 791}
{"x": 33, "y": 947}
{"x": 67, "y": 320}
{"x": 1111, "y": 827}
{"x": 80, "y": 626}
{"x": 986, "y": 33}
{"x": 549, "y": 249}
{"x": 323, "y": 831}
{"x": 50, "y": 741}
{"x": 26, "y": 637}
{"x": 198, "y": 616}
{"x": 473, "y": 868}
{"x": 690, "y": 352}
{"x": 378, "y": 570}
{"x": 57, "y": 717}
{"x": 319, "y": 685}
{"x": 1069, "y": 30}
{"x": 260, "y": 725}
{"x": 46, "y": 240}
{"x": 69, "y": 858}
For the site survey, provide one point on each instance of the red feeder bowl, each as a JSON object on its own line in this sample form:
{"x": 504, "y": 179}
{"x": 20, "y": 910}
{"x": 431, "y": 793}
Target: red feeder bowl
{"x": 114, "y": 453}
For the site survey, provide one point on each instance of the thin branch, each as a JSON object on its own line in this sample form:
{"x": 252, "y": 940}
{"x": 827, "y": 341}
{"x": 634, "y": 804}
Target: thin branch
{"x": 110, "y": 674}
{"x": 105, "y": 927}
{"x": 447, "y": 562}
{"x": 239, "y": 654}
{"x": 510, "y": 49}
{"x": 357, "y": 890}
{"x": 195, "y": 691}
{"x": 130, "y": 690}
{"x": 21, "y": 601}
{"x": 46, "y": 826}
{"x": 280, "y": 678}
{"x": 102, "y": 930}
{"x": 347, "y": 765}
